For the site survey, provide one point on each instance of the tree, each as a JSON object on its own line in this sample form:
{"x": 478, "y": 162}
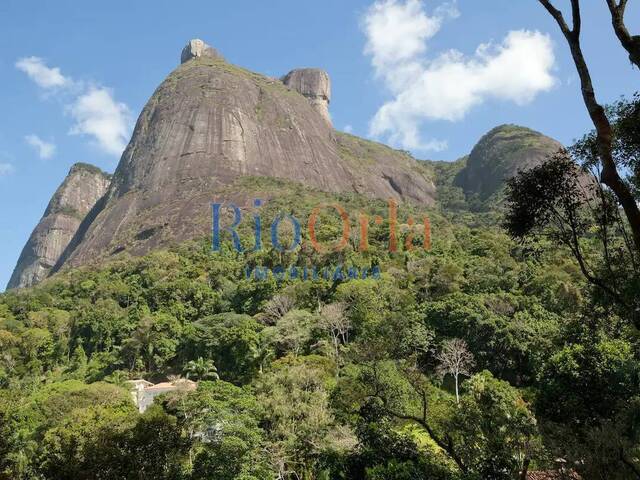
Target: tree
{"x": 70, "y": 449}
{"x": 100, "y": 325}
{"x": 58, "y": 323}
{"x": 455, "y": 359}
{"x": 555, "y": 201}
{"x": 624, "y": 116}
{"x": 609, "y": 174}
{"x": 78, "y": 361}
{"x": 201, "y": 369}
{"x": 221, "y": 422}
{"x": 494, "y": 431}
{"x": 37, "y": 348}
{"x": 277, "y": 307}
{"x": 298, "y": 420}
{"x": 52, "y": 430}
{"x": 292, "y": 333}
{"x": 581, "y": 382}
{"x": 154, "y": 447}
{"x": 155, "y": 341}
{"x": 337, "y": 323}
{"x": 231, "y": 341}
{"x": 403, "y": 393}
{"x": 386, "y": 452}
{"x": 118, "y": 378}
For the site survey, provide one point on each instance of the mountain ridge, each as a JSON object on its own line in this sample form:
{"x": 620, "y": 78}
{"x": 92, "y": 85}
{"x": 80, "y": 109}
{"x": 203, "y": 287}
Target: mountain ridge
{"x": 210, "y": 122}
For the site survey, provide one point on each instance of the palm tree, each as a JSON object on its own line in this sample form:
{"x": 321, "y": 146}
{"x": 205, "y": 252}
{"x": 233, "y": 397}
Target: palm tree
{"x": 118, "y": 378}
{"x": 141, "y": 344}
{"x": 201, "y": 369}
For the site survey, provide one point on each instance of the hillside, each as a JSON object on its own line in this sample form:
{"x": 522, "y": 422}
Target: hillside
{"x": 421, "y": 343}
{"x": 249, "y": 293}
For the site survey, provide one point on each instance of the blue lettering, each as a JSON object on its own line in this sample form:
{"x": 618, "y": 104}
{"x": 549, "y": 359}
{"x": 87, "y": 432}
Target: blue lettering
{"x": 232, "y": 229}
{"x": 296, "y": 233}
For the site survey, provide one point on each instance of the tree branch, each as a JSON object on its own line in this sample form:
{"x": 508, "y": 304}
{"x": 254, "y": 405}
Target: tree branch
{"x": 629, "y": 42}
{"x": 604, "y": 131}
{"x": 629, "y": 464}
{"x": 524, "y": 473}
{"x": 557, "y": 15}
{"x": 447, "y": 445}
{"x": 577, "y": 18}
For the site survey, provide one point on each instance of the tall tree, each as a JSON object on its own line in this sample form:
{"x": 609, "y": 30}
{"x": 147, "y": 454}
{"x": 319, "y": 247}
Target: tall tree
{"x": 609, "y": 174}
{"x": 334, "y": 320}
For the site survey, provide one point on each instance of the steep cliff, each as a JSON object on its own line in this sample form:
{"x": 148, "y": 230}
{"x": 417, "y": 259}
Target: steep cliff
{"x": 81, "y": 189}
{"x": 499, "y": 155}
{"x": 210, "y": 123}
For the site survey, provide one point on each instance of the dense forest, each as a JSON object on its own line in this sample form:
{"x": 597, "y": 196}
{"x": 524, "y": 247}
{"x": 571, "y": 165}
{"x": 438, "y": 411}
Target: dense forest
{"x": 478, "y": 359}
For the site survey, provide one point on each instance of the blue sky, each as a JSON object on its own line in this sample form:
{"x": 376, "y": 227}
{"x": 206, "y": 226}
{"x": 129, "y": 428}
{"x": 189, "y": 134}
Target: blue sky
{"x": 111, "y": 56}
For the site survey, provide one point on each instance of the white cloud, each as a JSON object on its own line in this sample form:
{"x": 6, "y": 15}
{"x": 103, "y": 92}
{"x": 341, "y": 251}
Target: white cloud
{"x": 95, "y": 111}
{"x": 45, "y": 150}
{"x": 348, "y": 128}
{"x": 44, "y": 76}
{"x": 446, "y": 86}
{"x": 98, "y": 114}
{"x": 6, "y": 169}
{"x": 397, "y": 32}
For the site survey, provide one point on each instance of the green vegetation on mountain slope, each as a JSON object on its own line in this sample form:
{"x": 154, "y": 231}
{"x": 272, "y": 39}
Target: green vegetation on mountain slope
{"x": 318, "y": 379}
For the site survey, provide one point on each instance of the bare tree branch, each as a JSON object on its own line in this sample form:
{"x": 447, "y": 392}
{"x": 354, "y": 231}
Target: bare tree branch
{"x": 557, "y": 15}
{"x": 455, "y": 359}
{"x": 577, "y": 18}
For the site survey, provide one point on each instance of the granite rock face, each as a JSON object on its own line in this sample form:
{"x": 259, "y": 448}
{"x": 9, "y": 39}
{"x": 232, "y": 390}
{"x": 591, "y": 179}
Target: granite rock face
{"x": 197, "y": 48}
{"x": 210, "y": 123}
{"x": 500, "y": 155}
{"x": 81, "y": 189}
{"x": 315, "y": 85}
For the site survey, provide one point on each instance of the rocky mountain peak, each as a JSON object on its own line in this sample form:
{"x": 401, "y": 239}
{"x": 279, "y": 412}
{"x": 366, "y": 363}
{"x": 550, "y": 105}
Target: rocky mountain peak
{"x": 198, "y": 48}
{"x": 314, "y": 84}
{"x": 76, "y": 196}
{"x": 210, "y": 123}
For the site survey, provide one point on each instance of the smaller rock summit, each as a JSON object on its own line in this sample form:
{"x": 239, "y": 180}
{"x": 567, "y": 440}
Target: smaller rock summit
{"x": 197, "y": 48}
{"x": 500, "y": 155}
{"x": 83, "y": 187}
{"x": 314, "y": 84}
